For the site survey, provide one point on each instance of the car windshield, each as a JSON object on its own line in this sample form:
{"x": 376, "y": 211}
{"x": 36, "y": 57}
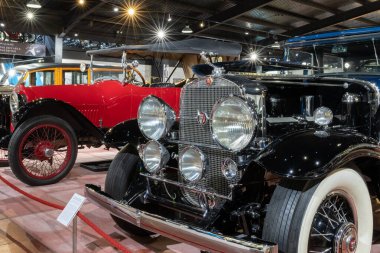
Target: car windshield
{"x": 356, "y": 56}
{"x": 108, "y": 74}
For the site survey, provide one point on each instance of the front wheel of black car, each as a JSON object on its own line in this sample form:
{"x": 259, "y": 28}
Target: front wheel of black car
{"x": 42, "y": 150}
{"x": 333, "y": 216}
{"x": 119, "y": 177}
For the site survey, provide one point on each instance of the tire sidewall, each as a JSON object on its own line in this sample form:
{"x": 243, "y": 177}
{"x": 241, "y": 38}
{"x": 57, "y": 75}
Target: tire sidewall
{"x": 350, "y": 182}
{"x": 15, "y": 142}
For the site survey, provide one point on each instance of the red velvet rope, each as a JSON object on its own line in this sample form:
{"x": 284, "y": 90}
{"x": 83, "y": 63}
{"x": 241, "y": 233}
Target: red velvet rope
{"x": 80, "y": 215}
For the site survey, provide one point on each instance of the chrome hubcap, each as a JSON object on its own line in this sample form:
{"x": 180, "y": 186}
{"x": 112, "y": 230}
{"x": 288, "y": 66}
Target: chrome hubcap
{"x": 346, "y": 238}
{"x": 49, "y": 152}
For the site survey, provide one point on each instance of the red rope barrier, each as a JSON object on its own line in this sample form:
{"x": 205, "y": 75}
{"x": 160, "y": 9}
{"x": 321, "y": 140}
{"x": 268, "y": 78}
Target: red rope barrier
{"x": 80, "y": 215}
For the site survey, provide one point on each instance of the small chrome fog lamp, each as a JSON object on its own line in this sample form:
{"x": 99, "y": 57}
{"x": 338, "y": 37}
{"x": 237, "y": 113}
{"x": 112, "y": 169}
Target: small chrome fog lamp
{"x": 192, "y": 164}
{"x": 323, "y": 116}
{"x": 229, "y": 169}
{"x": 155, "y": 156}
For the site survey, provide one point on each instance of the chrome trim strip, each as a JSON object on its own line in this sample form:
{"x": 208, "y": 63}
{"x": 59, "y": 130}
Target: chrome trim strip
{"x": 180, "y": 232}
{"x": 188, "y": 187}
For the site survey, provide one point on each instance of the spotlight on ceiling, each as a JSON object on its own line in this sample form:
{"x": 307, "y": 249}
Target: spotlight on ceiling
{"x": 29, "y": 15}
{"x": 81, "y": 2}
{"x": 131, "y": 11}
{"x": 76, "y": 34}
{"x": 169, "y": 18}
{"x": 2, "y": 24}
{"x": 276, "y": 45}
{"x": 202, "y": 24}
{"x": 246, "y": 33}
{"x": 33, "y": 4}
{"x": 161, "y": 34}
{"x": 187, "y": 29}
{"x": 253, "y": 56}
{"x": 116, "y": 9}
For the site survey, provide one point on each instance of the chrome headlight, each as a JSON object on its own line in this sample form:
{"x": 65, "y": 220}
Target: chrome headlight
{"x": 14, "y": 102}
{"x": 192, "y": 164}
{"x": 155, "y": 118}
{"x": 155, "y": 156}
{"x": 323, "y": 116}
{"x": 233, "y": 123}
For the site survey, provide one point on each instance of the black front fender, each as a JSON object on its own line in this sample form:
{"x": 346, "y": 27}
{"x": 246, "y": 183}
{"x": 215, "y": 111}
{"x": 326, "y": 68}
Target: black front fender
{"x": 123, "y": 133}
{"x": 311, "y": 153}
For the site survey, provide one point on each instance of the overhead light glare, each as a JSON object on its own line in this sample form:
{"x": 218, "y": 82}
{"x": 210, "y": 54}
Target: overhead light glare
{"x": 202, "y": 24}
{"x": 246, "y": 33}
{"x": 29, "y": 15}
{"x": 116, "y": 9}
{"x": 76, "y": 34}
{"x": 81, "y": 2}
{"x": 187, "y": 29}
{"x": 169, "y": 18}
{"x": 2, "y": 24}
{"x": 253, "y": 56}
{"x": 161, "y": 34}
{"x": 34, "y": 4}
{"x": 131, "y": 11}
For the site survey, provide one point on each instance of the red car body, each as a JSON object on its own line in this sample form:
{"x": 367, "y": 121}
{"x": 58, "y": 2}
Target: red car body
{"x": 49, "y": 122}
{"x": 105, "y": 103}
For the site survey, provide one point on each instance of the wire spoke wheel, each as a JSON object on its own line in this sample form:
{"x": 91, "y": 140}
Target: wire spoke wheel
{"x": 334, "y": 227}
{"x": 42, "y": 150}
{"x": 45, "y": 151}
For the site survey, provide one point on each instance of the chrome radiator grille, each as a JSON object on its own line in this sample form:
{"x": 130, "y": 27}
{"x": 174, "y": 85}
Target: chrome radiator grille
{"x": 201, "y": 98}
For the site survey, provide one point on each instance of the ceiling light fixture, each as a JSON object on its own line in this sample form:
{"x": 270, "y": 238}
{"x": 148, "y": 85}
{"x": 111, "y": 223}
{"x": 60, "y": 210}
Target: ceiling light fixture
{"x": 169, "y": 18}
{"x": 276, "y": 45}
{"x": 2, "y": 24}
{"x": 246, "y": 33}
{"x": 187, "y": 29}
{"x": 161, "y": 34}
{"x": 131, "y": 11}
{"x": 81, "y": 2}
{"x": 76, "y": 34}
{"x": 29, "y": 15}
{"x": 116, "y": 9}
{"x": 33, "y": 4}
{"x": 202, "y": 24}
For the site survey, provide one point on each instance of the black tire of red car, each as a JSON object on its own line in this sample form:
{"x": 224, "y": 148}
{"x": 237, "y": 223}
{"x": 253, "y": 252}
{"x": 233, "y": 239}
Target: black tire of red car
{"x": 121, "y": 172}
{"x": 336, "y": 211}
{"x": 52, "y": 145}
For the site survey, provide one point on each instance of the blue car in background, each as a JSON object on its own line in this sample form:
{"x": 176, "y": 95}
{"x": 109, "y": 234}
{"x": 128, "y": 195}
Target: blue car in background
{"x": 349, "y": 53}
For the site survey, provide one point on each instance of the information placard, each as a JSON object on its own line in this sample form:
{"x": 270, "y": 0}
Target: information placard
{"x": 71, "y": 209}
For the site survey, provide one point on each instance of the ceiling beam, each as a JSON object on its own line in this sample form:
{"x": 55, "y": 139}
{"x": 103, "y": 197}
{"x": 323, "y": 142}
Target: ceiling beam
{"x": 264, "y": 23}
{"x": 295, "y": 15}
{"x": 333, "y": 11}
{"x": 233, "y": 12}
{"x": 333, "y": 20}
{"x": 75, "y": 19}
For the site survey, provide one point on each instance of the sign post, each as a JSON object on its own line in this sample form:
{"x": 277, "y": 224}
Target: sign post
{"x": 69, "y": 214}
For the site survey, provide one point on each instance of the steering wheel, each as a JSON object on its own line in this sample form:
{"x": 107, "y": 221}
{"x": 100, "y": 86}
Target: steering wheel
{"x": 131, "y": 76}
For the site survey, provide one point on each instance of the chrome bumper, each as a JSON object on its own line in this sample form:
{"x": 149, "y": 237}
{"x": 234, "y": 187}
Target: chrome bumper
{"x": 199, "y": 238}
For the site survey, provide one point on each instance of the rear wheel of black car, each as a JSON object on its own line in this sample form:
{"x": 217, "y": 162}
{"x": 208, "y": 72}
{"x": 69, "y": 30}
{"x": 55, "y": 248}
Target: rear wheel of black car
{"x": 42, "y": 150}
{"x": 332, "y": 216}
{"x": 121, "y": 172}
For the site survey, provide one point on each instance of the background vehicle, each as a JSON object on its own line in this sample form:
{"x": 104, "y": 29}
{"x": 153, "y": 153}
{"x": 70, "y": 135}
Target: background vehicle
{"x": 349, "y": 53}
{"x": 50, "y": 122}
{"x": 269, "y": 163}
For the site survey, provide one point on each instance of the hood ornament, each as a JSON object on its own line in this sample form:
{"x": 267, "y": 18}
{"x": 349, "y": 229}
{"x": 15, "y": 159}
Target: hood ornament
{"x": 217, "y": 71}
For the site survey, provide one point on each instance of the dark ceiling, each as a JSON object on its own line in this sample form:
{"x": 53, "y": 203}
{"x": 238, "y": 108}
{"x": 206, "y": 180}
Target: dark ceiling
{"x": 246, "y": 21}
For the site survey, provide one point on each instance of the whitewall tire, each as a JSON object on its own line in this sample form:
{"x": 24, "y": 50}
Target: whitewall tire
{"x": 293, "y": 215}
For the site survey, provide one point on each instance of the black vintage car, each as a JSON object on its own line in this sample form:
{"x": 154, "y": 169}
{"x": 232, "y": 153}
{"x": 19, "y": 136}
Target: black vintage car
{"x": 259, "y": 164}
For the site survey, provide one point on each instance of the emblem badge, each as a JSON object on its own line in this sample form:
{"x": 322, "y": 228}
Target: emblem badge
{"x": 202, "y": 118}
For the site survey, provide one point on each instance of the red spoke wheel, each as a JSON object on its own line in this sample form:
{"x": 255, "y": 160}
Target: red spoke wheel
{"x": 42, "y": 150}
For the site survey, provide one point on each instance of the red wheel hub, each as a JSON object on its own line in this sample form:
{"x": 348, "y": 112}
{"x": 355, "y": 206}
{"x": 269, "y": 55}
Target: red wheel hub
{"x": 44, "y": 150}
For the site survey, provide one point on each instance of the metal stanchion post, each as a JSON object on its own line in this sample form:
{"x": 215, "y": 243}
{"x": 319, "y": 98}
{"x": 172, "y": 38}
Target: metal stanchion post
{"x": 75, "y": 234}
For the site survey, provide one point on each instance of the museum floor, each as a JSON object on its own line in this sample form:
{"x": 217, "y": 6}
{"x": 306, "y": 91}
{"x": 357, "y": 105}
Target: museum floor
{"x": 29, "y": 227}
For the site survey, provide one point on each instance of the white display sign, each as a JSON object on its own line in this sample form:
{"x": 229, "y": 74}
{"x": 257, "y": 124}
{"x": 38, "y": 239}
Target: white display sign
{"x": 71, "y": 209}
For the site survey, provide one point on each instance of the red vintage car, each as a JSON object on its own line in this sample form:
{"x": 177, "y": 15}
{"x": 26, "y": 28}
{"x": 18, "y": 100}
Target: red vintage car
{"x": 49, "y": 122}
